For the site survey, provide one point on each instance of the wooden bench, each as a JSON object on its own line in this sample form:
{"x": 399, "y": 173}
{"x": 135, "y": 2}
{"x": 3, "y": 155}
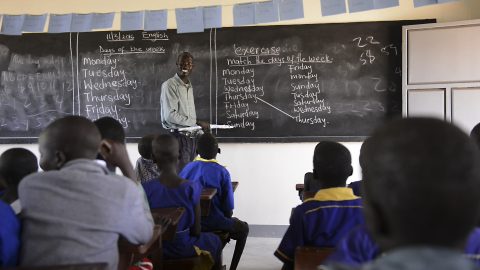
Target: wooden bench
{"x": 308, "y": 258}
{"x": 234, "y": 186}
{"x": 130, "y": 253}
{"x": 302, "y": 193}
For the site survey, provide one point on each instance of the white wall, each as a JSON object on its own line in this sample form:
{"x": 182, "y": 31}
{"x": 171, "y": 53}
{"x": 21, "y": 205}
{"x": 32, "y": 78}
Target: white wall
{"x": 267, "y": 172}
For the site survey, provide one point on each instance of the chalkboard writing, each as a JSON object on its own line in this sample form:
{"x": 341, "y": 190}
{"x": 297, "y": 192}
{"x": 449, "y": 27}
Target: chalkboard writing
{"x": 308, "y": 82}
{"x": 273, "y": 83}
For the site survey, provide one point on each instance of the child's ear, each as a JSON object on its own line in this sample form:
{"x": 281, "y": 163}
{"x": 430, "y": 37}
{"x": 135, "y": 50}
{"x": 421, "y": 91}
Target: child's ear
{"x": 60, "y": 159}
{"x": 350, "y": 172}
{"x": 105, "y": 148}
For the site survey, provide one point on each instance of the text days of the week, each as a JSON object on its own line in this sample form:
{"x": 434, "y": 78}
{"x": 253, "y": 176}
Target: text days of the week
{"x": 96, "y": 111}
{"x": 305, "y": 91}
{"x": 279, "y": 60}
{"x": 239, "y": 91}
{"x": 131, "y": 50}
{"x": 237, "y": 107}
{"x": 314, "y": 120}
{"x": 100, "y": 105}
{"x": 106, "y": 88}
{"x": 235, "y": 72}
{"x": 104, "y": 104}
{"x": 105, "y": 75}
{"x": 242, "y": 88}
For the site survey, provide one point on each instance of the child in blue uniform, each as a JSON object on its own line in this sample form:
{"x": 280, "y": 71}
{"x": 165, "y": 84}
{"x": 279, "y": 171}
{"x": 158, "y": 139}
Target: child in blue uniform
{"x": 15, "y": 164}
{"x": 9, "y": 236}
{"x": 421, "y": 182}
{"x": 323, "y": 220}
{"x": 169, "y": 190}
{"x": 210, "y": 174}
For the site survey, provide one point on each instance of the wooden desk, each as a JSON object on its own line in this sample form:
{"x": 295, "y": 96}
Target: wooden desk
{"x": 234, "y": 186}
{"x": 302, "y": 193}
{"x": 207, "y": 196}
{"x": 174, "y": 214}
{"x": 206, "y": 200}
{"x": 130, "y": 253}
{"x": 307, "y": 258}
{"x": 300, "y": 188}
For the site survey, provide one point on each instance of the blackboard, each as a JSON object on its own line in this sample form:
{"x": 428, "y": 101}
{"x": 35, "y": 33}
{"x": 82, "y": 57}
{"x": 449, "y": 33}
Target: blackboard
{"x": 272, "y": 83}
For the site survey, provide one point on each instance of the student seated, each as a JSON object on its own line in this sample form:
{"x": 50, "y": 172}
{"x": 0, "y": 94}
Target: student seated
{"x": 113, "y": 149}
{"x": 323, "y": 220}
{"x": 9, "y": 236}
{"x": 75, "y": 211}
{"x": 358, "y": 248}
{"x": 210, "y": 174}
{"x": 475, "y": 134}
{"x": 15, "y": 164}
{"x": 356, "y": 186}
{"x": 421, "y": 185}
{"x": 169, "y": 190}
{"x": 311, "y": 184}
{"x": 145, "y": 168}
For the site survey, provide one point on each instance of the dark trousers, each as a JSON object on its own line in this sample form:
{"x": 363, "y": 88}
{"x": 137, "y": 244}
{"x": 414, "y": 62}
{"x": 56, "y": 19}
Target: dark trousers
{"x": 239, "y": 233}
{"x": 187, "y": 148}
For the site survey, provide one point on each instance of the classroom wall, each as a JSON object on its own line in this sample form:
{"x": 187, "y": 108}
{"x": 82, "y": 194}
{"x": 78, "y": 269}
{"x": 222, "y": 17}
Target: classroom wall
{"x": 267, "y": 172}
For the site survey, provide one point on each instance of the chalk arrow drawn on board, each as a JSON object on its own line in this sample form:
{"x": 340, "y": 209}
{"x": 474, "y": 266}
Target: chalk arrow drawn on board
{"x": 275, "y": 107}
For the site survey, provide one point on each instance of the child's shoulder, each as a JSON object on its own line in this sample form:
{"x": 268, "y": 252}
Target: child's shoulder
{"x": 191, "y": 184}
{"x": 7, "y": 213}
{"x": 212, "y": 164}
{"x": 312, "y": 205}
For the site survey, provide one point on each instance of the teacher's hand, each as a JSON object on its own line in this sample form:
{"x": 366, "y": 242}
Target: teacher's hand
{"x": 204, "y": 124}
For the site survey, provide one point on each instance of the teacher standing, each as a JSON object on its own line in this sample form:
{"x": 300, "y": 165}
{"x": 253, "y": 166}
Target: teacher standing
{"x": 178, "y": 108}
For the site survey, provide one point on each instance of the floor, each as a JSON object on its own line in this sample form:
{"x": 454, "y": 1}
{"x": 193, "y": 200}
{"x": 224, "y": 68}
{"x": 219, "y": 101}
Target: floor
{"x": 258, "y": 254}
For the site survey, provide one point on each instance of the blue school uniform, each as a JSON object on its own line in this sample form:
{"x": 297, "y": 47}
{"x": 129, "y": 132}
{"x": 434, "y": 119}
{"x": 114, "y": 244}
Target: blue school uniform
{"x": 472, "y": 248}
{"x": 355, "y": 249}
{"x": 9, "y": 236}
{"x": 186, "y": 195}
{"x": 358, "y": 247}
{"x": 210, "y": 174}
{"x": 321, "y": 221}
